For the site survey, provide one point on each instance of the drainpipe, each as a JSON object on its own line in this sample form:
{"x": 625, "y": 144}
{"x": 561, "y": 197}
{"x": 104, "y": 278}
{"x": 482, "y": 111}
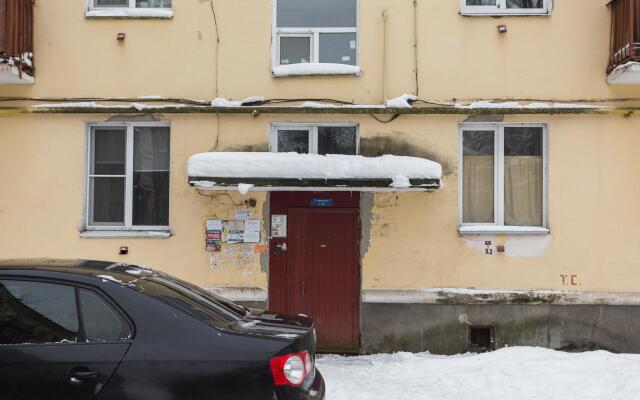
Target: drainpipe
{"x": 385, "y": 56}
{"x": 415, "y": 44}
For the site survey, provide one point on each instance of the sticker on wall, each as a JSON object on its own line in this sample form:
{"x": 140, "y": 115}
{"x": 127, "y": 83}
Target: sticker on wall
{"x": 279, "y": 226}
{"x": 213, "y": 239}
{"x": 233, "y": 231}
{"x": 243, "y": 215}
{"x": 252, "y": 231}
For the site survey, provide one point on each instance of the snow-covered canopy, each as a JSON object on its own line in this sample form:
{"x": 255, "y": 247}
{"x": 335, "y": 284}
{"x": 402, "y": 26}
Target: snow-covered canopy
{"x": 248, "y": 170}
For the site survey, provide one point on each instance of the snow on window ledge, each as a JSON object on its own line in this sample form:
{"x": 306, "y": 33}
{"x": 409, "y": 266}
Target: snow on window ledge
{"x": 142, "y": 13}
{"x": 309, "y": 69}
{"x": 628, "y": 73}
{"x": 115, "y": 234}
{"x": 501, "y": 230}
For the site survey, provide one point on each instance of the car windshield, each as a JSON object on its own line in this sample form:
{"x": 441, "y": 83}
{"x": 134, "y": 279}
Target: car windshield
{"x": 199, "y": 301}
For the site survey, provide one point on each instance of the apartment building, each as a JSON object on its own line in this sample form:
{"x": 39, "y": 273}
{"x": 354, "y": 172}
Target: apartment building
{"x": 418, "y": 175}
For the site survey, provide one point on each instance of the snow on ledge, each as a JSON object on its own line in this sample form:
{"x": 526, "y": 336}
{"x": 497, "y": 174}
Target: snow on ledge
{"x": 121, "y": 12}
{"x": 402, "y": 101}
{"x": 311, "y": 166}
{"x": 315, "y": 69}
{"x": 628, "y": 73}
{"x": 484, "y": 104}
{"x": 9, "y": 75}
{"x": 502, "y": 230}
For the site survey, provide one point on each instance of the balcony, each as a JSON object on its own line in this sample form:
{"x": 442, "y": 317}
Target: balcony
{"x": 16, "y": 42}
{"x": 624, "y": 56}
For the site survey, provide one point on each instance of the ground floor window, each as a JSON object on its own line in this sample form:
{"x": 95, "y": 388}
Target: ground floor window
{"x": 315, "y": 138}
{"x": 128, "y": 176}
{"x": 503, "y": 175}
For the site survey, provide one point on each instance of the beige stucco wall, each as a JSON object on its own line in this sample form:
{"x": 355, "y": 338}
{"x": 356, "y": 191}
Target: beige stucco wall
{"x": 412, "y": 238}
{"x": 562, "y": 56}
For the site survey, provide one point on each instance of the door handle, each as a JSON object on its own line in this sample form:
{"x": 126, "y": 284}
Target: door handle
{"x": 303, "y": 286}
{"x": 80, "y": 374}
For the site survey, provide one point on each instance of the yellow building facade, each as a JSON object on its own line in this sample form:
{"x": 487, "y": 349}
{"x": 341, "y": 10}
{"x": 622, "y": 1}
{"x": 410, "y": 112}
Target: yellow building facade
{"x": 527, "y": 238}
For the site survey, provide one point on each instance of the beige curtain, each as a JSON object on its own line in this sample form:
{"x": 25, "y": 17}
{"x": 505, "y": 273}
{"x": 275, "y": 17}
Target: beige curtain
{"x": 523, "y": 190}
{"x": 477, "y": 189}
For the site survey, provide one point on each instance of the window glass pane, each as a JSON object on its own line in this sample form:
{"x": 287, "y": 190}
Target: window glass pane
{"x": 108, "y": 151}
{"x": 151, "y": 159}
{"x": 478, "y": 177}
{"x": 106, "y": 201}
{"x": 100, "y": 321}
{"x": 111, "y": 3}
{"x": 523, "y": 176}
{"x": 337, "y": 140}
{"x": 317, "y": 13}
{"x": 295, "y": 50}
{"x": 338, "y": 48}
{"x": 153, "y": 3}
{"x": 525, "y": 3}
{"x": 37, "y": 312}
{"x": 493, "y": 3}
{"x": 296, "y": 141}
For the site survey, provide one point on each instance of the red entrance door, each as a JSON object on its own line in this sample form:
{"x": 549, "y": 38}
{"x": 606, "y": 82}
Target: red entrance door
{"x": 317, "y": 272}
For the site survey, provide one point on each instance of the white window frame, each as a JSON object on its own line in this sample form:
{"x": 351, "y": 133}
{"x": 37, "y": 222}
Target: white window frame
{"x": 501, "y": 9}
{"x": 498, "y": 226}
{"x": 314, "y": 33}
{"x": 312, "y": 128}
{"x": 128, "y": 211}
{"x": 131, "y": 11}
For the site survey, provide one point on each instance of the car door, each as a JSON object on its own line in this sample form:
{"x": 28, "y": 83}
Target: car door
{"x": 57, "y": 341}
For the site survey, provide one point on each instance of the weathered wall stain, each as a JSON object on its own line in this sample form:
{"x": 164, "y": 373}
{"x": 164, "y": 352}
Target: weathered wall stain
{"x": 249, "y": 148}
{"x": 378, "y": 145}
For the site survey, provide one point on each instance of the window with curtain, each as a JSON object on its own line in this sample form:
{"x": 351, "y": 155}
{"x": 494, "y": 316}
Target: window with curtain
{"x": 128, "y": 179}
{"x": 316, "y": 31}
{"x": 503, "y": 175}
{"x": 133, "y": 3}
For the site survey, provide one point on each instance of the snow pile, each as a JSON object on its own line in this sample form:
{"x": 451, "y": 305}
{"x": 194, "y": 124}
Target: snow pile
{"x": 402, "y": 101}
{"x": 220, "y": 102}
{"x": 516, "y": 105}
{"x": 315, "y": 69}
{"x": 512, "y": 373}
{"x": 311, "y": 166}
{"x": 121, "y": 12}
{"x": 627, "y": 73}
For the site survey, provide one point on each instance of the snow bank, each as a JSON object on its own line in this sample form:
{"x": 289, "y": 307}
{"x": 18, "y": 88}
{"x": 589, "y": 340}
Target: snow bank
{"x": 315, "y": 69}
{"x": 121, "y": 12}
{"x": 402, "y": 101}
{"x": 516, "y": 105}
{"x": 521, "y": 373}
{"x": 310, "y": 166}
{"x": 220, "y": 102}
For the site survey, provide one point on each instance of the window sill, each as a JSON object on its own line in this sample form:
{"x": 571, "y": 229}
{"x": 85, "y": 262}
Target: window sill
{"x": 501, "y": 230}
{"x": 311, "y": 69}
{"x": 116, "y": 234}
{"x": 494, "y": 13}
{"x": 131, "y": 13}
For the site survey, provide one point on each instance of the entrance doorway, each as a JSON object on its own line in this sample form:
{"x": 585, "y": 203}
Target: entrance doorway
{"x": 314, "y": 267}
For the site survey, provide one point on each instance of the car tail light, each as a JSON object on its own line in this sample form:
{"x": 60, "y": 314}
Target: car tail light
{"x": 291, "y": 369}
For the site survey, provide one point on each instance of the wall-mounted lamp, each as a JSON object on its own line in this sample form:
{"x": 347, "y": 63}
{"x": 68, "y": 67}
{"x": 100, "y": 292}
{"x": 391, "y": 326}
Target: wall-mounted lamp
{"x": 502, "y": 29}
{"x": 124, "y": 250}
{"x": 121, "y": 37}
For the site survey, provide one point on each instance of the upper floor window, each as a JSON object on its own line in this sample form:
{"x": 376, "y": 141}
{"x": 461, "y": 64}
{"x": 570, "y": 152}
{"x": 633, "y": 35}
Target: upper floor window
{"x": 505, "y": 7}
{"x": 130, "y": 8}
{"x": 502, "y": 178}
{"x": 128, "y": 176}
{"x": 315, "y": 32}
{"x": 320, "y": 139}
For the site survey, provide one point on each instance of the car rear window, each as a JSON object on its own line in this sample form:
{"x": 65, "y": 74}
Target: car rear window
{"x": 101, "y": 322}
{"x": 37, "y": 312}
{"x": 195, "y": 303}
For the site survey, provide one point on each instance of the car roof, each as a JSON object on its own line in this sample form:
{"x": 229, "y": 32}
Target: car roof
{"x": 81, "y": 267}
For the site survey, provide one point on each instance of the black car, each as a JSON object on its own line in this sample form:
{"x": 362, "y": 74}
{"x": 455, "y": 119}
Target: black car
{"x": 79, "y": 330}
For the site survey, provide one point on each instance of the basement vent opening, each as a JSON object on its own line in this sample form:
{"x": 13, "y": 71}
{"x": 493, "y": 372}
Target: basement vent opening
{"x": 481, "y": 339}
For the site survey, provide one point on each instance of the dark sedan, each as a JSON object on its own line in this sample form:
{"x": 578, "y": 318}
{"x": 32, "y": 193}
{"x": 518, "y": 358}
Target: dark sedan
{"x": 79, "y": 330}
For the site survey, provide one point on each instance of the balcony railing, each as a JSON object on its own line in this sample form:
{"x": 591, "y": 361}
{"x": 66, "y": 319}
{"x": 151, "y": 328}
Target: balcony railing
{"x": 16, "y": 36}
{"x": 625, "y": 33}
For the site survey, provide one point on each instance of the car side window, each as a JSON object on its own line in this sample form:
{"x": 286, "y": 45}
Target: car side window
{"x": 37, "y": 312}
{"x": 101, "y": 322}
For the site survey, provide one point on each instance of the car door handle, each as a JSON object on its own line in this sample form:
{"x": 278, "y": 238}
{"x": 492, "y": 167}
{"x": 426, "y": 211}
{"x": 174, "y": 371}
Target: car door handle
{"x": 80, "y": 374}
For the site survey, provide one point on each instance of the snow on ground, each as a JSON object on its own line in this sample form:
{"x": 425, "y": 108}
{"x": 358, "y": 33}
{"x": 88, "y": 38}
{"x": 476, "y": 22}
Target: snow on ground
{"x": 515, "y": 373}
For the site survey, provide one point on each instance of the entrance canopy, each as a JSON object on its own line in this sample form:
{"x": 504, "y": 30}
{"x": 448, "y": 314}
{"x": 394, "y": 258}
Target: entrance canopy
{"x": 292, "y": 171}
